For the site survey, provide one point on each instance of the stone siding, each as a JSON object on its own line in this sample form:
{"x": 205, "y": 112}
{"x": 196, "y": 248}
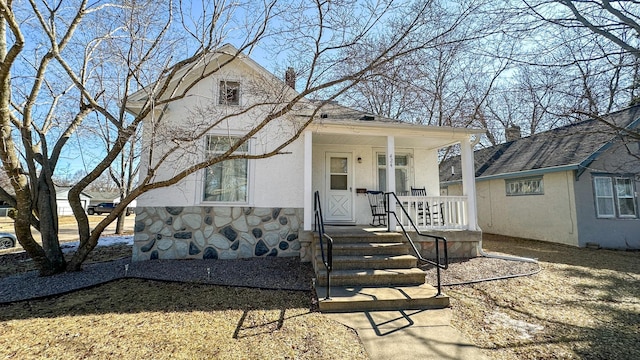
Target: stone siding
{"x": 460, "y": 243}
{"x": 199, "y": 232}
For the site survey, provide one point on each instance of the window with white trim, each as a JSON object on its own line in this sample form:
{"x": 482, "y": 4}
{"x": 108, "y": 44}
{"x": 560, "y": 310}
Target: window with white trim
{"x": 229, "y": 93}
{"x": 525, "y": 186}
{"x": 614, "y": 197}
{"x": 402, "y": 173}
{"x": 227, "y": 180}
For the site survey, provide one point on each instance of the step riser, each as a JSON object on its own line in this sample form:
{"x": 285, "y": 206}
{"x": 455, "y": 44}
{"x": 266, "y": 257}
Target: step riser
{"x": 370, "y": 264}
{"x": 373, "y": 280}
{"x": 385, "y": 305}
{"x": 340, "y": 250}
{"x": 365, "y": 239}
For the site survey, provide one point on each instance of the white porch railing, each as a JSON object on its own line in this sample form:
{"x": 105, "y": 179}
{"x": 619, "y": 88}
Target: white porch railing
{"x": 435, "y": 212}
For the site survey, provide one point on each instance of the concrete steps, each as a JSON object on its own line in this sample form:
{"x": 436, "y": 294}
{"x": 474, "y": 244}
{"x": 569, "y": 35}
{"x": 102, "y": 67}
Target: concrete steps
{"x": 367, "y": 248}
{"x": 373, "y": 271}
{"x": 375, "y": 261}
{"x": 372, "y": 277}
{"x": 352, "y": 299}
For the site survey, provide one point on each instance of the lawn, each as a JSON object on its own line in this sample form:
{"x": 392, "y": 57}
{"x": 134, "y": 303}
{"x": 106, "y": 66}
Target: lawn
{"x": 141, "y": 319}
{"x": 584, "y": 304}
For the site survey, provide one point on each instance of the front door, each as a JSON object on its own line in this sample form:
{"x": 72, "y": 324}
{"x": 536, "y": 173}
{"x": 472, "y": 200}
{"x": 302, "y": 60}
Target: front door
{"x": 339, "y": 176}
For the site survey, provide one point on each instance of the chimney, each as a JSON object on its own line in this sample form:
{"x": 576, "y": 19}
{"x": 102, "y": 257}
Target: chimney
{"x": 512, "y": 133}
{"x": 290, "y": 78}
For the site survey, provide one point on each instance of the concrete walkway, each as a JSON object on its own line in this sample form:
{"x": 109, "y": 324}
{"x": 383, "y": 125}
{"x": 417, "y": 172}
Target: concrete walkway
{"x": 409, "y": 334}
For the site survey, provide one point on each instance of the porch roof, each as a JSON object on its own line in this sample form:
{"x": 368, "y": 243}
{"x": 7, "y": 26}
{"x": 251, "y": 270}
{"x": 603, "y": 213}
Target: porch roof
{"x": 342, "y": 125}
{"x": 374, "y": 133}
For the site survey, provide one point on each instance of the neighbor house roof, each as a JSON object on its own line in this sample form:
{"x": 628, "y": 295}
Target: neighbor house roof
{"x": 62, "y": 191}
{"x": 570, "y": 147}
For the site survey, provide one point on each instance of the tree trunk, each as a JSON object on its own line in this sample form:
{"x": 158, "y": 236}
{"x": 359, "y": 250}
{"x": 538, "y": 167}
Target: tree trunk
{"x": 48, "y": 214}
{"x": 120, "y": 223}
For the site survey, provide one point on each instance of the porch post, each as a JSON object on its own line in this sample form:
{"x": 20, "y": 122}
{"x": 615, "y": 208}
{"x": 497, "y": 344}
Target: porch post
{"x": 391, "y": 180}
{"x": 469, "y": 182}
{"x": 308, "y": 186}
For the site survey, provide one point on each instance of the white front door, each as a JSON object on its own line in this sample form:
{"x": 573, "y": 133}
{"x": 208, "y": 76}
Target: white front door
{"x": 339, "y": 176}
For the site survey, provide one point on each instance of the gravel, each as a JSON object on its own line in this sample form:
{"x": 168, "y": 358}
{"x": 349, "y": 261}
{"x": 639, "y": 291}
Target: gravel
{"x": 264, "y": 273}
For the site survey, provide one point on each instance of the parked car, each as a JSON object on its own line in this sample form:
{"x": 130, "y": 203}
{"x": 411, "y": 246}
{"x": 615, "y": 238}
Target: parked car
{"x": 7, "y": 240}
{"x": 105, "y": 207}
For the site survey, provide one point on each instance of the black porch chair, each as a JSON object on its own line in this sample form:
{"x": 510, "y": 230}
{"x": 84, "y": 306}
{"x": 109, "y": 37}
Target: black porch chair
{"x": 378, "y": 204}
{"x": 422, "y": 207}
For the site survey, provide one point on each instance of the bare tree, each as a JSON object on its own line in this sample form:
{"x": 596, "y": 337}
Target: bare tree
{"x": 80, "y": 72}
{"x": 617, "y": 20}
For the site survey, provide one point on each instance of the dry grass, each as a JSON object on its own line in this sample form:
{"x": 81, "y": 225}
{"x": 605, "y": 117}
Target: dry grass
{"x": 585, "y": 304}
{"x": 138, "y": 319}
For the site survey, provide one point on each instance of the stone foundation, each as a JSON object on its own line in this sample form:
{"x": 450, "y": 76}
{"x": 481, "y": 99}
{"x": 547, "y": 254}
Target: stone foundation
{"x": 199, "y": 232}
{"x": 460, "y": 243}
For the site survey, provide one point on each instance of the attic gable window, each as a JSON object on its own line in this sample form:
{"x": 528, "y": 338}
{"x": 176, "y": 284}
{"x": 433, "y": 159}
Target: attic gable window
{"x": 525, "y": 186}
{"x": 229, "y": 93}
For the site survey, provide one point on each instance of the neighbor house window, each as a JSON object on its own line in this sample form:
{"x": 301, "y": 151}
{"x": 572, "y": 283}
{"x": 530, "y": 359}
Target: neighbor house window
{"x": 525, "y": 186}
{"x": 402, "y": 173}
{"x": 229, "y": 93}
{"x": 615, "y": 197}
{"x": 226, "y": 180}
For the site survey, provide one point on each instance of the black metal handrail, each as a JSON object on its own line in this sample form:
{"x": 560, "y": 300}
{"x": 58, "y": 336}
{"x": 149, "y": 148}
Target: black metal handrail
{"x": 319, "y": 225}
{"x": 436, "y": 263}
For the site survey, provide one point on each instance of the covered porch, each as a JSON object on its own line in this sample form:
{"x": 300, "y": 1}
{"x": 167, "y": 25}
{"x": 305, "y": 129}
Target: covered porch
{"x": 346, "y": 160}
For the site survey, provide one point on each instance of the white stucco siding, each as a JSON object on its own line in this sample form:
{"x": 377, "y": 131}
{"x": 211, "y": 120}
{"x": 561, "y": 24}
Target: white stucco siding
{"x": 273, "y": 182}
{"x": 547, "y": 217}
{"x": 426, "y": 170}
{"x": 423, "y": 166}
{"x": 278, "y": 181}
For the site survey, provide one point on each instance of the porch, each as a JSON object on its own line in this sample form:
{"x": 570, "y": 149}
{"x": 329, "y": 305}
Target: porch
{"x": 344, "y": 160}
{"x": 434, "y": 212}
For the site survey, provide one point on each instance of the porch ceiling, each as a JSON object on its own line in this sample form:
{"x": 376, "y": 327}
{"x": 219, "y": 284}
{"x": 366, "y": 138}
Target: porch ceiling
{"x": 381, "y": 141}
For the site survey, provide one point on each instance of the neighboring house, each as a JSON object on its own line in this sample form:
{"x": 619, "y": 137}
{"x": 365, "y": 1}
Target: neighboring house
{"x": 62, "y": 195}
{"x": 264, "y": 207}
{"x": 575, "y": 185}
{"x": 98, "y": 197}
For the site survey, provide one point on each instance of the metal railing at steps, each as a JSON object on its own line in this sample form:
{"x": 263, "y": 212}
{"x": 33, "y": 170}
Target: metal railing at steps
{"x": 327, "y": 259}
{"x": 437, "y": 239}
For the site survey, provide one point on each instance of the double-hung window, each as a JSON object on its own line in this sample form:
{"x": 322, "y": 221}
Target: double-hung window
{"x": 614, "y": 197}
{"x": 226, "y": 181}
{"x": 402, "y": 173}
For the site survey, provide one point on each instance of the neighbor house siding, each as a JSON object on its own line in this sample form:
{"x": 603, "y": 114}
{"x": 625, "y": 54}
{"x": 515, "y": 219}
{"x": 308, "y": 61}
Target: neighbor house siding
{"x": 617, "y": 233}
{"x": 547, "y": 217}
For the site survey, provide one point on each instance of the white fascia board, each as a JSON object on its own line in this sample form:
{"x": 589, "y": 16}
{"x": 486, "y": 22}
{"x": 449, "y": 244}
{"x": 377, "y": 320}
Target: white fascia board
{"x": 400, "y": 128}
{"x": 526, "y": 173}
